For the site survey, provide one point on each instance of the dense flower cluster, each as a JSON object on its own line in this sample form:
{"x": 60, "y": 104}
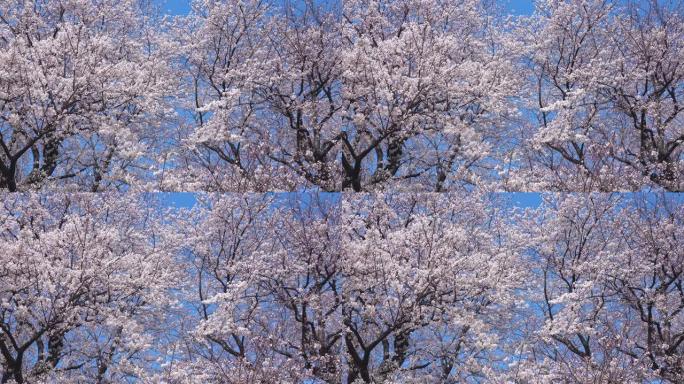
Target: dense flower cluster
{"x": 329, "y": 288}
{"x": 362, "y": 95}
{"x": 350, "y": 164}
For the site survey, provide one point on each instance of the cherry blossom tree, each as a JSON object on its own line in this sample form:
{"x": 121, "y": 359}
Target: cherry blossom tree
{"x": 313, "y": 287}
{"x": 606, "y": 83}
{"x": 388, "y": 258}
{"x": 430, "y": 282}
{"x": 220, "y": 48}
{"x": 244, "y": 286}
{"x": 370, "y": 289}
{"x": 609, "y": 290}
{"x": 361, "y": 97}
{"x": 426, "y": 86}
{"x": 83, "y": 87}
{"x": 84, "y": 283}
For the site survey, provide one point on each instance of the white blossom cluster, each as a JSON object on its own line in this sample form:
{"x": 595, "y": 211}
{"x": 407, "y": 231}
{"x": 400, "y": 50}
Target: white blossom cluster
{"x": 383, "y": 191}
{"x": 356, "y": 95}
{"x": 329, "y": 288}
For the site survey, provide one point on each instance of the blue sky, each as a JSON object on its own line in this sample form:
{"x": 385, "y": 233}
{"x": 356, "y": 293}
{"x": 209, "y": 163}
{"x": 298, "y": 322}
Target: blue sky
{"x": 188, "y": 199}
{"x": 518, "y": 7}
{"x": 177, "y": 199}
{"x": 515, "y": 7}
